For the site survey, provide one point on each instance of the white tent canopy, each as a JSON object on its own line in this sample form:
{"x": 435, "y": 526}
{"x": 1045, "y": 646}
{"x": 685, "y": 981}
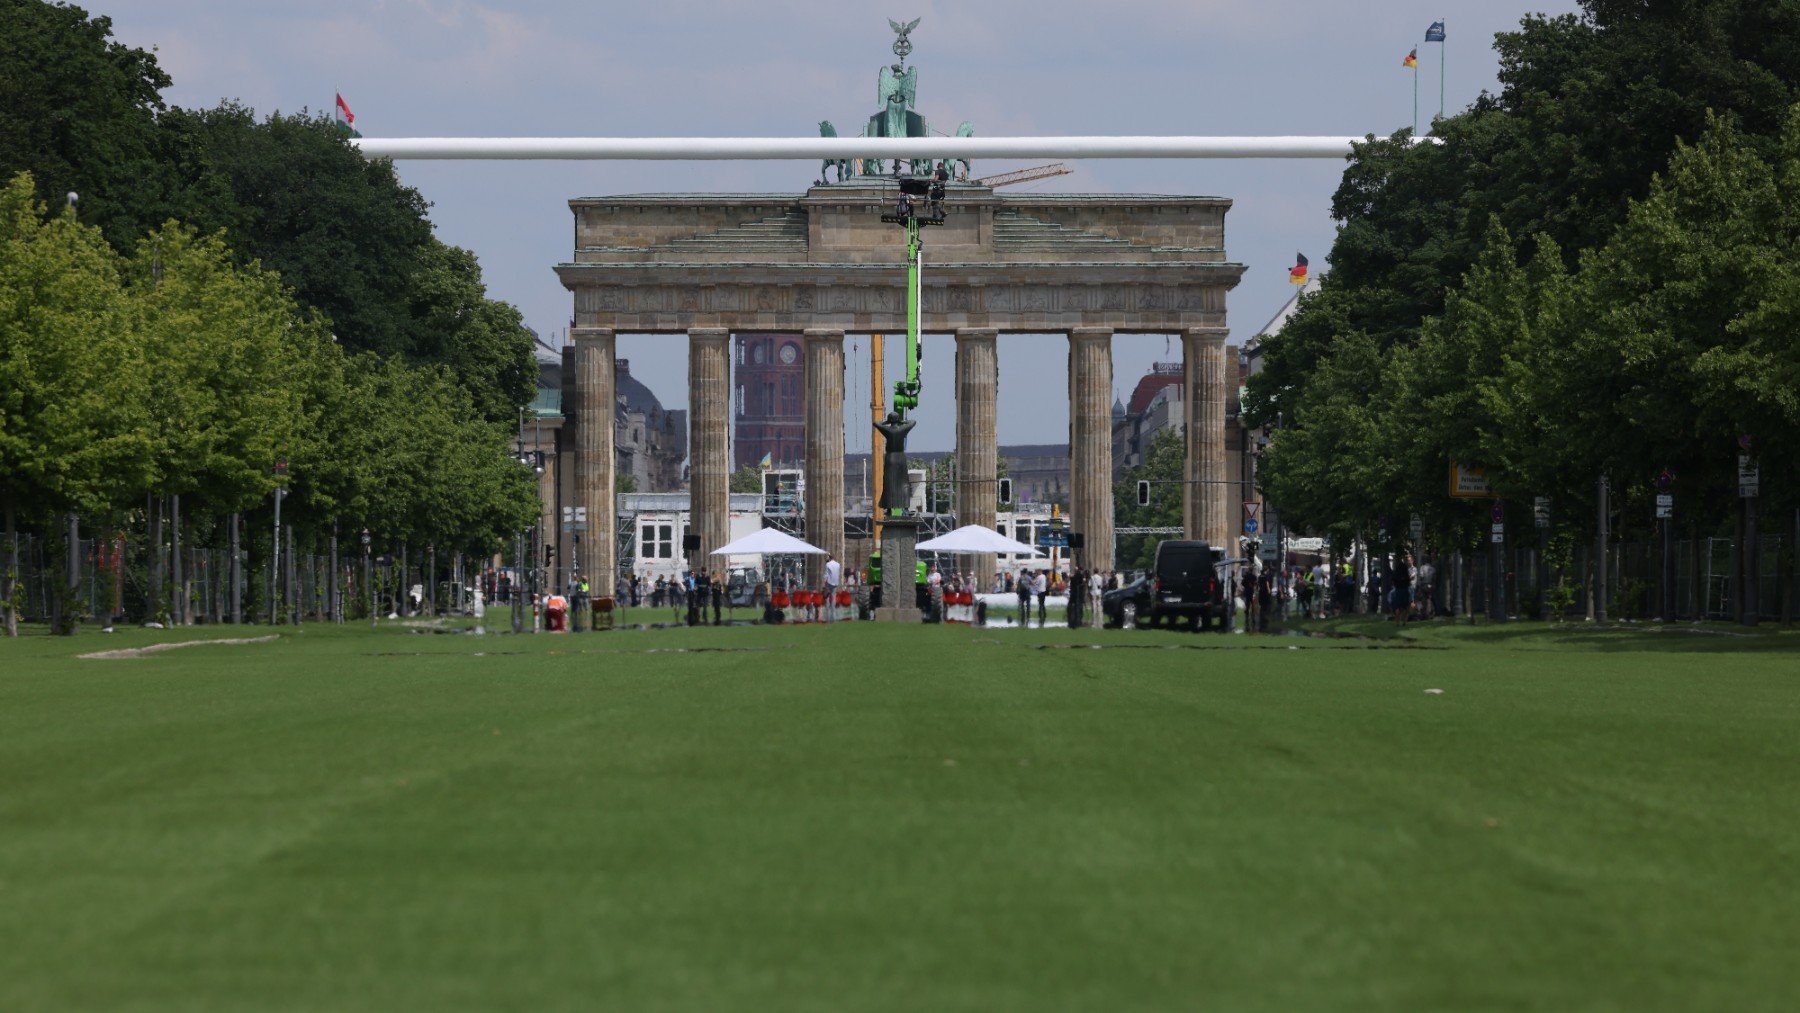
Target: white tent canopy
{"x": 769, "y": 542}
{"x": 971, "y": 538}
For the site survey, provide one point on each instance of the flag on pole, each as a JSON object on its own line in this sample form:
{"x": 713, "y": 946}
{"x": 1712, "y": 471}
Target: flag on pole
{"x": 1435, "y": 33}
{"x": 1412, "y": 59}
{"x": 346, "y": 120}
{"x": 768, "y": 461}
{"x": 1297, "y": 273}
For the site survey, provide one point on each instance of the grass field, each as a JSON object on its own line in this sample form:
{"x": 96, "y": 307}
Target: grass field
{"x": 862, "y": 817}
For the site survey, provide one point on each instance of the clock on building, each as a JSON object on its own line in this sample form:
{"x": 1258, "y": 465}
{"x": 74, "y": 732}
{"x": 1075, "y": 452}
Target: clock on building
{"x": 788, "y": 355}
{"x": 759, "y": 354}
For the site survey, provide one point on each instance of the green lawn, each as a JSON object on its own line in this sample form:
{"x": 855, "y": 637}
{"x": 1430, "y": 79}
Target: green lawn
{"x": 860, "y": 817}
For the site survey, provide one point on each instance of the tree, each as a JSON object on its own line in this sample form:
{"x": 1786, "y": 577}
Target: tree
{"x": 1164, "y": 468}
{"x": 1590, "y": 109}
{"x": 224, "y": 349}
{"x": 483, "y": 342}
{"x": 84, "y": 113}
{"x": 72, "y": 390}
{"x": 747, "y": 479}
{"x": 342, "y": 230}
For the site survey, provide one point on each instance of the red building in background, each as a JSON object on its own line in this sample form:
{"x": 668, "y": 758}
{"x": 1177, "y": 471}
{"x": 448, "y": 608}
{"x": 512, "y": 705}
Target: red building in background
{"x": 768, "y": 407}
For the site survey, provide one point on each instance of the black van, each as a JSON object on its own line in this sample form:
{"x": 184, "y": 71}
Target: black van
{"x": 1183, "y": 585}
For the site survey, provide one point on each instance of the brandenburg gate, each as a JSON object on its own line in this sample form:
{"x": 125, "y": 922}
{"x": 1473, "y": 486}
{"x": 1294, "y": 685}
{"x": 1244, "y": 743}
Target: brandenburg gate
{"x": 1076, "y": 268}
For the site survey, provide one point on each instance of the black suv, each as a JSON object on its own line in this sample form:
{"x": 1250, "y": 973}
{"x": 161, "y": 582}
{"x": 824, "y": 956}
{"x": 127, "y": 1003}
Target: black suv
{"x": 1183, "y": 584}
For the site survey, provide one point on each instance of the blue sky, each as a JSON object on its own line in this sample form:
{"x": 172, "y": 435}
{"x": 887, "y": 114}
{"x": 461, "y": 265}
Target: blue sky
{"x": 777, "y": 67}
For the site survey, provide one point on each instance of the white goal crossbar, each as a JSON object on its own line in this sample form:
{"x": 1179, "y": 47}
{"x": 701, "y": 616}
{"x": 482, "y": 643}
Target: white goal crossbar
{"x": 821, "y": 148}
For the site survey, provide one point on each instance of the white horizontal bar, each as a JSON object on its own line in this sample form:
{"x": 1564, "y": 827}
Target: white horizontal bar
{"x": 808, "y": 148}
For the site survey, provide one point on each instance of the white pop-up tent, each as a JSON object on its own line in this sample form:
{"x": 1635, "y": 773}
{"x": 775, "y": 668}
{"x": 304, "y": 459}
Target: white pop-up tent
{"x": 768, "y": 542}
{"x": 972, "y": 538}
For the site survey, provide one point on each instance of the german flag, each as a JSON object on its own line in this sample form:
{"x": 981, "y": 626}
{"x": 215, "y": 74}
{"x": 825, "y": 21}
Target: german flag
{"x": 1297, "y": 273}
{"x": 1412, "y": 59}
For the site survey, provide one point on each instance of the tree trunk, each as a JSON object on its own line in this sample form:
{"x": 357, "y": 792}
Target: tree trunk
{"x": 153, "y": 597}
{"x": 177, "y": 596}
{"x": 68, "y": 623}
{"x": 235, "y": 583}
{"x": 293, "y": 579}
{"x": 9, "y": 578}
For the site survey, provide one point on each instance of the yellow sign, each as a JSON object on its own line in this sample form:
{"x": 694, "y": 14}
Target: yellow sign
{"x": 1469, "y": 482}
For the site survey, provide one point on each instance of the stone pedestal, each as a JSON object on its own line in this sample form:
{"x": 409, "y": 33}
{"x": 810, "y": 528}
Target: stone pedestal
{"x": 977, "y": 452}
{"x": 899, "y": 571}
{"x": 709, "y": 454}
{"x": 824, "y": 449}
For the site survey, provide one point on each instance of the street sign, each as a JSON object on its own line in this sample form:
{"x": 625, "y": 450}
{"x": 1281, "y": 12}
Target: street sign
{"x": 1749, "y": 476}
{"x": 1251, "y": 509}
{"x": 1540, "y": 511}
{"x": 1416, "y": 529}
{"x": 1468, "y": 482}
{"x": 1499, "y": 535}
{"x": 1499, "y": 512}
{"x": 574, "y": 518}
{"x": 1665, "y": 506}
{"x": 1249, "y": 525}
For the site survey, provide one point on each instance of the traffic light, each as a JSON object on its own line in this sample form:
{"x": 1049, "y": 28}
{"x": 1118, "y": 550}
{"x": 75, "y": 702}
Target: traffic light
{"x": 1006, "y": 492}
{"x": 1143, "y": 492}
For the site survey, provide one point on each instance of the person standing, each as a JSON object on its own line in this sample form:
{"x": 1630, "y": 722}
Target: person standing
{"x": 1401, "y": 595}
{"x": 1040, "y": 586}
{"x": 718, "y": 597}
{"x": 834, "y": 575}
{"x": 1022, "y": 587}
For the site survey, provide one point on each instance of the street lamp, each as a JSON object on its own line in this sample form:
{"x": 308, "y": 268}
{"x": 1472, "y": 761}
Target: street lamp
{"x": 368, "y": 579}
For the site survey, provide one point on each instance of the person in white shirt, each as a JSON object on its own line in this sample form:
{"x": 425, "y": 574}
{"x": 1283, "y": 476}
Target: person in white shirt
{"x": 834, "y": 572}
{"x": 1040, "y": 586}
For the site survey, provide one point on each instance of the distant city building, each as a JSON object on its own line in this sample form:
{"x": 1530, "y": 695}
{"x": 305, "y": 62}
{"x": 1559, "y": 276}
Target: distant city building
{"x": 768, "y": 413}
{"x": 649, "y": 441}
{"x": 1155, "y": 406}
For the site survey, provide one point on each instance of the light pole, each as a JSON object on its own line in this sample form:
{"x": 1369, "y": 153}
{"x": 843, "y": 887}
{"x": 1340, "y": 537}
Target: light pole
{"x": 368, "y": 579}
{"x": 275, "y": 565}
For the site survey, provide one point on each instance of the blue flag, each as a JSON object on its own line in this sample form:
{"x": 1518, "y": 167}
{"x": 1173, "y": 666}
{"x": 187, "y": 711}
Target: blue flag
{"x": 1435, "y": 33}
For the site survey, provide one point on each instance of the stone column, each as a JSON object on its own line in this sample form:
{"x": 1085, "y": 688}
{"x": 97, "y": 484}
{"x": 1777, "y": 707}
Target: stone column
{"x": 595, "y": 349}
{"x": 709, "y": 449}
{"x": 824, "y": 448}
{"x": 1206, "y": 497}
{"x": 1090, "y": 445}
{"x": 977, "y": 449}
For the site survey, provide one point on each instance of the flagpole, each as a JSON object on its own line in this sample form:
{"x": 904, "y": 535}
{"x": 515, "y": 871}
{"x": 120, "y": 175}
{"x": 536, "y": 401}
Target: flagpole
{"x": 1415, "y": 70}
{"x": 1443, "y": 45}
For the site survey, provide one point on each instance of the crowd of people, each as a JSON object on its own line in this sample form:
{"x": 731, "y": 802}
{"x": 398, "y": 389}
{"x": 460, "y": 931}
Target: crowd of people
{"x": 1398, "y": 587}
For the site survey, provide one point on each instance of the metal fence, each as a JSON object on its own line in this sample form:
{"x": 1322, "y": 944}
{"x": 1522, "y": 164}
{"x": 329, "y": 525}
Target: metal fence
{"x": 127, "y": 582}
{"x": 1704, "y": 581}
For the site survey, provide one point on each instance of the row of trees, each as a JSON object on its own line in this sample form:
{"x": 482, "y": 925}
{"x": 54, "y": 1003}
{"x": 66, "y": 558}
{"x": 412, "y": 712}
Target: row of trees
{"x": 176, "y": 371}
{"x": 229, "y": 292}
{"x": 84, "y": 113}
{"x": 1595, "y": 273}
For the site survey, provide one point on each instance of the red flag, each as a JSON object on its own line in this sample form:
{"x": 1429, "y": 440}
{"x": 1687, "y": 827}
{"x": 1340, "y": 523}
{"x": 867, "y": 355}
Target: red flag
{"x": 344, "y": 112}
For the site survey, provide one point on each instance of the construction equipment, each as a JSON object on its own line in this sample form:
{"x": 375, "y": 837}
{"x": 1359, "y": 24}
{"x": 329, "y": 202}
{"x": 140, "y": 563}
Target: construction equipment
{"x": 1030, "y": 175}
